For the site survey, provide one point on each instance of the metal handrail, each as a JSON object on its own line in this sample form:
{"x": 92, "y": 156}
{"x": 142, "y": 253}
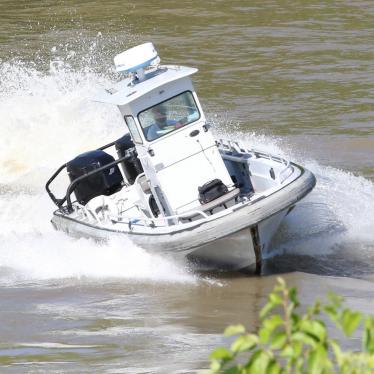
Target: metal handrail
{"x": 150, "y": 221}
{"x": 229, "y": 144}
{"x": 288, "y": 166}
{"x": 75, "y": 182}
{"x": 106, "y": 146}
{"x": 60, "y": 202}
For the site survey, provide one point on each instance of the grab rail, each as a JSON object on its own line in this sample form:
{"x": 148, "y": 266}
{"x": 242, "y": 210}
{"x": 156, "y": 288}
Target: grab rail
{"x": 75, "y": 182}
{"x": 283, "y": 171}
{"x": 151, "y": 221}
{"x": 60, "y": 202}
{"x": 231, "y": 145}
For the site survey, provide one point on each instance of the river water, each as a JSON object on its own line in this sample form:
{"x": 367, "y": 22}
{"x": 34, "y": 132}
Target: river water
{"x": 293, "y": 77}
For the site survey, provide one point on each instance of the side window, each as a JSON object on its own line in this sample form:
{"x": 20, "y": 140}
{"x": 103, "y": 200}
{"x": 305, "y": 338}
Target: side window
{"x": 133, "y": 129}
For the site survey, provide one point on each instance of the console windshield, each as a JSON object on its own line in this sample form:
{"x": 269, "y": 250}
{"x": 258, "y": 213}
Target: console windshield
{"x": 168, "y": 116}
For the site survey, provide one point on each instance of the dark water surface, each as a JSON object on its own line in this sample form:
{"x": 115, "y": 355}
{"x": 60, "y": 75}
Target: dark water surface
{"x": 293, "y": 77}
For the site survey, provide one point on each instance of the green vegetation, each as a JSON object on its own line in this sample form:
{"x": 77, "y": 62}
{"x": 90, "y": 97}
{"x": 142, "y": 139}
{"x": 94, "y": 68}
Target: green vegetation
{"x": 289, "y": 342}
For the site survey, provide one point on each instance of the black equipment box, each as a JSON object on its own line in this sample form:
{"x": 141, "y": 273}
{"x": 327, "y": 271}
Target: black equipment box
{"x": 212, "y": 190}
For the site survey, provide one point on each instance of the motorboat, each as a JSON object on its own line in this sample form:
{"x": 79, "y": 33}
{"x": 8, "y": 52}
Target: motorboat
{"x": 169, "y": 184}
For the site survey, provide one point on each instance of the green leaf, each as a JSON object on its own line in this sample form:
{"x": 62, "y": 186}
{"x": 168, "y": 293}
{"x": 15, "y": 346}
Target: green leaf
{"x": 350, "y": 321}
{"x": 264, "y": 335}
{"x": 295, "y": 319}
{"x": 287, "y": 352}
{"x": 266, "y": 310}
{"x": 268, "y": 327}
{"x": 337, "y": 351}
{"x": 297, "y": 348}
{"x": 314, "y": 328}
{"x": 233, "y": 370}
{"x": 234, "y": 330}
{"x": 258, "y": 363}
{"x": 314, "y": 366}
{"x": 244, "y": 343}
{"x": 299, "y": 364}
{"x": 273, "y": 368}
{"x": 221, "y": 353}
{"x": 273, "y": 322}
{"x": 368, "y": 339}
{"x": 309, "y": 349}
{"x": 278, "y": 340}
{"x": 317, "y": 360}
{"x": 304, "y": 338}
{"x": 275, "y": 299}
{"x": 215, "y": 365}
{"x": 293, "y": 296}
{"x": 335, "y": 299}
{"x": 331, "y": 311}
{"x": 290, "y": 308}
{"x": 317, "y": 307}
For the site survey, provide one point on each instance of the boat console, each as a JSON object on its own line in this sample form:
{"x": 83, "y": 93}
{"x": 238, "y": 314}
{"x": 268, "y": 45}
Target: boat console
{"x": 167, "y": 125}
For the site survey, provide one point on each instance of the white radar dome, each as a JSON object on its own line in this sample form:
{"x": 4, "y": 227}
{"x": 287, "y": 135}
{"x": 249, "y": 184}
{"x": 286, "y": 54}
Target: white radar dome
{"x": 136, "y": 59}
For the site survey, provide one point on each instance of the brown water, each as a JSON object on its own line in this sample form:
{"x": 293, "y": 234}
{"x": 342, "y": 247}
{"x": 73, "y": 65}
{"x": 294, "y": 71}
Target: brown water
{"x": 293, "y": 77}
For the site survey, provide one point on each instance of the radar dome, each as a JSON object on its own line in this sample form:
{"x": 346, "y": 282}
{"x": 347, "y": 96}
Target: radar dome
{"x": 136, "y": 59}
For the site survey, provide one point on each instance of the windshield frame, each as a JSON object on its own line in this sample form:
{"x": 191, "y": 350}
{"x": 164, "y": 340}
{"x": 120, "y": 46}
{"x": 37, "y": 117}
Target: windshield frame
{"x": 165, "y": 101}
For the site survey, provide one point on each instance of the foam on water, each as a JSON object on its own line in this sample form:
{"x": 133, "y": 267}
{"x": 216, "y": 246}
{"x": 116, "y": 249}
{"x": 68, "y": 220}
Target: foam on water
{"x": 53, "y": 256}
{"x": 47, "y": 119}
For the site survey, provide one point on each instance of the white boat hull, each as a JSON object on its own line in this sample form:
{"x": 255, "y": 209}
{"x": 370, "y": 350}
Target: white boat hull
{"x": 238, "y": 239}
